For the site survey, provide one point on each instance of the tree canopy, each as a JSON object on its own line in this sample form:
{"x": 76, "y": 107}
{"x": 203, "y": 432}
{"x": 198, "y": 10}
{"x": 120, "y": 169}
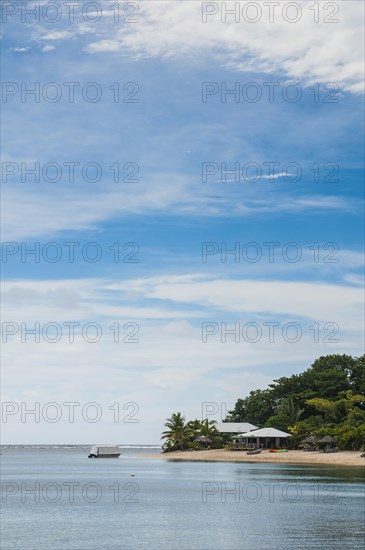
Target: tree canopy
{"x": 326, "y": 399}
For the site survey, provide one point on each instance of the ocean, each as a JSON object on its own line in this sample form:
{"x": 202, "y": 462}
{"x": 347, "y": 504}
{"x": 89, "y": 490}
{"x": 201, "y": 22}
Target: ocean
{"x": 55, "y": 498}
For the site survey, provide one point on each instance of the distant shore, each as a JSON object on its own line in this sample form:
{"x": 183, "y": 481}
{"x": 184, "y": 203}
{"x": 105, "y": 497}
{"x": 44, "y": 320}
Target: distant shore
{"x": 342, "y": 458}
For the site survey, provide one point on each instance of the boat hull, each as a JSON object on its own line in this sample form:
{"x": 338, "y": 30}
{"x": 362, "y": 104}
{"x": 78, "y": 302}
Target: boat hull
{"x": 106, "y": 451}
{"x": 103, "y": 456}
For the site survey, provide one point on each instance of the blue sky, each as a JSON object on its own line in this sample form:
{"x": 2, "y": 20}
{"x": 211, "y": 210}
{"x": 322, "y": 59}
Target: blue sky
{"x": 170, "y": 212}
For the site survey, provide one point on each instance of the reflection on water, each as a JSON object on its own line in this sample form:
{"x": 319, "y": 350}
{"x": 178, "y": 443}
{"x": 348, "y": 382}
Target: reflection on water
{"x": 59, "y": 499}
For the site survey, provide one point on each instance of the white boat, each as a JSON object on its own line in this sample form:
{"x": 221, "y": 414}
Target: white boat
{"x": 104, "y": 451}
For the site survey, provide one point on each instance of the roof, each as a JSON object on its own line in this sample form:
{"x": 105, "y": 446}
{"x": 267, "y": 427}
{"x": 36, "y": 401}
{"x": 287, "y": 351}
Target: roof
{"x": 265, "y": 432}
{"x": 106, "y": 449}
{"x": 234, "y": 427}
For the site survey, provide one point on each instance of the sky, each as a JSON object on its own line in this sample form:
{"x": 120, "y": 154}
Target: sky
{"x": 182, "y": 208}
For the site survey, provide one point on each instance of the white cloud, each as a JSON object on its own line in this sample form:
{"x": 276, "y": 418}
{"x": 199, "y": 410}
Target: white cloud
{"x": 44, "y": 212}
{"x": 307, "y": 51}
{"x": 57, "y": 35}
{"x": 357, "y": 280}
{"x": 48, "y": 48}
{"x": 104, "y": 46}
{"x": 170, "y": 367}
{"x": 170, "y": 355}
{"x": 327, "y": 302}
{"x": 248, "y": 381}
{"x": 213, "y": 299}
{"x": 18, "y": 50}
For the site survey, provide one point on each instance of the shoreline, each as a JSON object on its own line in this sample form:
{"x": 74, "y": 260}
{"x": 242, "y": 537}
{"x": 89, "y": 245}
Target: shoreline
{"x": 342, "y": 458}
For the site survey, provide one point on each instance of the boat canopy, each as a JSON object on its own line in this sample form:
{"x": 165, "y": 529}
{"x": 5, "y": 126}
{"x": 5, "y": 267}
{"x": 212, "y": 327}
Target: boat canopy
{"x": 108, "y": 450}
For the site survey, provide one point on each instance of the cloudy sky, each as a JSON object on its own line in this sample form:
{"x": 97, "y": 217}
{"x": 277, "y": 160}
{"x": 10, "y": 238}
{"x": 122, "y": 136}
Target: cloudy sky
{"x": 182, "y": 207}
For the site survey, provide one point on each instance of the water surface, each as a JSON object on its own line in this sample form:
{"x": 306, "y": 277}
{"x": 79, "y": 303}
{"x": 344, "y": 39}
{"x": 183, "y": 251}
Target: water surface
{"x": 58, "y": 499}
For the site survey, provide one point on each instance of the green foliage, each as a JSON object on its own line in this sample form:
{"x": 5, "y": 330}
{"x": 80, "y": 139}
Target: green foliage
{"x": 287, "y": 412}
{"x": 326, "y": 399}
{"x": 177, "y": 434}
{"x": 351, "y": 437}
{"x": 304, "y": 428}
{"x": 181, "y": 435}
{"x": 256, "y": 408}
{"x": 195, "y": 446}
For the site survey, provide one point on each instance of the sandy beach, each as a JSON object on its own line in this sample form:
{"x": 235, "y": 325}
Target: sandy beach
{"x": 342, "y": 458}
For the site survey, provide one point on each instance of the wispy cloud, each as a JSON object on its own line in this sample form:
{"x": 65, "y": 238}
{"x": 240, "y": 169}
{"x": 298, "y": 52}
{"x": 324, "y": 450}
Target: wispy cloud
{"x": 57, "y": 35}
{"x": 170, "y": 133}
{"x": 170, "y": 356}
{"x": 306, "y": 51}
{"x": 258, "y": 297}
{"x": 19, "y": 49}
{"x": 37, "y": 213}
{"x": 48, "y": 48}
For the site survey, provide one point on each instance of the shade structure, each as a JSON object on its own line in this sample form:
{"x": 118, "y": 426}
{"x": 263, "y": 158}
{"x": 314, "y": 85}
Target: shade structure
{"x": 327, "y": 439}
{"x": 311, "y": 439}
{"x": 265, "y": 432}
{"x": 203, "y": 439}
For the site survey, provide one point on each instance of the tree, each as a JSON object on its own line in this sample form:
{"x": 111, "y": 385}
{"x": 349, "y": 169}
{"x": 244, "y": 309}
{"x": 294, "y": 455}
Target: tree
{"x": 356, "y": 375}
{"x": 256, "y": 408}
{"x": 194, "y": 427}
{"x": 207, "y": 429}
{"x": 177, "y": 434}
{"x": 330, "y": 375}
{"x": 338, "y": 410}
{"x": 326, "y": 399}
{"x": 286, "y": 414}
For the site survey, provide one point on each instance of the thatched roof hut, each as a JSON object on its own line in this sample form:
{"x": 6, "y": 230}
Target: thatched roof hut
{"x": 311, "y": 440}
{"x": 327, "y": 439}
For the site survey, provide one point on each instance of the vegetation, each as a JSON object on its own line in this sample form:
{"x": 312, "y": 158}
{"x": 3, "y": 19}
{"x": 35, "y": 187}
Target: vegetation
{"x": 326, "y": 399}
{"x": 177, "y": 433}
{"x": 182, "y": 436}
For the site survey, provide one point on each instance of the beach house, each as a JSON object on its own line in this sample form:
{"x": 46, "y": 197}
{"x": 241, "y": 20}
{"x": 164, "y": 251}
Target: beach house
{"x": 266, "y": 438}
{"x": 234, "y": 428}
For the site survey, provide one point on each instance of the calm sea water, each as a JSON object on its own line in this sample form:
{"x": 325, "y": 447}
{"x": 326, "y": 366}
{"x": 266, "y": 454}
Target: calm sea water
{"x": 58, "y": 499}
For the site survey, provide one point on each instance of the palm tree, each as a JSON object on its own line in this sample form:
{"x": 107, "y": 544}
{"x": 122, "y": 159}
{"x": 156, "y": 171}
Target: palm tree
{"x": 208, "y": 428}
{"x": 195, "y": 427}
{"x": 201, "y": 430}
{"x": 291, "y": 410}
{"x": 177, "y": 433}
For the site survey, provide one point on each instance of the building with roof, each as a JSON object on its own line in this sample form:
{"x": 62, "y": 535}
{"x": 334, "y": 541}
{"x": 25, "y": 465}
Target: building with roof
{"x": 268, "y": 438}
{"x": 234, "y": 428}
